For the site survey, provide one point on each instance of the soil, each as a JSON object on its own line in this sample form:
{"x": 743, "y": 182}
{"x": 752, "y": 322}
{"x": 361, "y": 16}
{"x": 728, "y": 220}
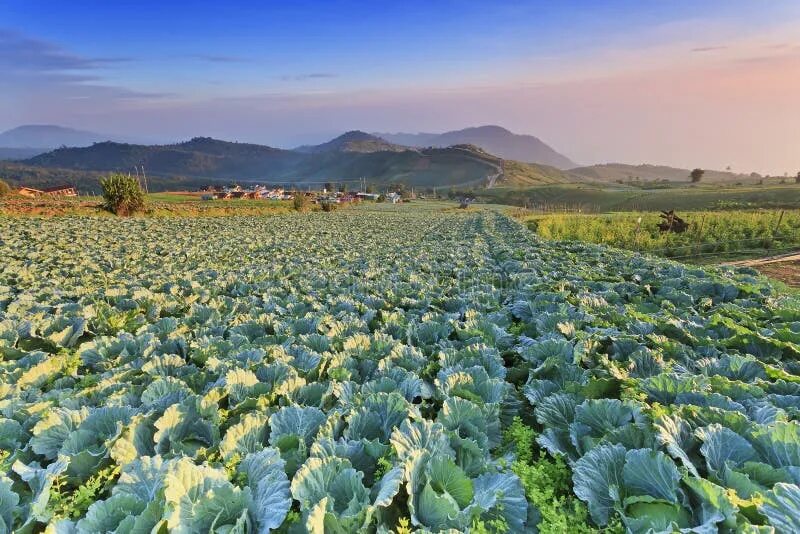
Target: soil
{"x": 787, "y": 272}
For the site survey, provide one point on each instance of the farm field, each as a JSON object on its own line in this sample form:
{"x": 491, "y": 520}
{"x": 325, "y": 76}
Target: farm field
{"x": 712, "y": 235}
{"x": 609, "y": 198}
{"x": 410, "y": 368}
{"x": 158, "y": 204}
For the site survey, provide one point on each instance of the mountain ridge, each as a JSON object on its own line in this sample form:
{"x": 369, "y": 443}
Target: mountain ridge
{"x": 354, "y": 141}
{"x": 645, "y": 172}
{"x": 49, "y": 136}
{"x": 213, "y": 159}
{"x": 492, "y": 138}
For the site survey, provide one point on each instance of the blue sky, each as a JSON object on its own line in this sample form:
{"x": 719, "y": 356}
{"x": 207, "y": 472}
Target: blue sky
{"x": 287, "y": 72}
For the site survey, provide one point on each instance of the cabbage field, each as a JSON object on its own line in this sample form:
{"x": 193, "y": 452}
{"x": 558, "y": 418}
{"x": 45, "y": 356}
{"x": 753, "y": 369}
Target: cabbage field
{"x": 396, "y": 370}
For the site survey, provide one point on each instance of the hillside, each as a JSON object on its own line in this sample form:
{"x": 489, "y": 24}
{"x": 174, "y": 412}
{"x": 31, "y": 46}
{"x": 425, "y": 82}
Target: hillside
{"x": 354, "y": 141}
{"x": 494, "y": 139}
{"x": 620, "y": 172}
{"x": 47, "y": 136}
{"x": 210, "y": 159}
{"x": 518, "y": 174}
{"x": 20, "y": 153}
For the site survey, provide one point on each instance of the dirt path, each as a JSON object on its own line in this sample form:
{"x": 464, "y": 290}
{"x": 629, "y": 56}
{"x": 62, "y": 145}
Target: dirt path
{"x": 787, "y": 272}
{"x": 780, "y": 258}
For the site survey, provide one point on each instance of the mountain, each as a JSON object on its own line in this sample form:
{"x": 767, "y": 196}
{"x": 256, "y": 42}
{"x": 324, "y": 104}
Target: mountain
{"x": 354, "y": 141}
{"x": 199, "y": 157}
{"x": 621, "y": 172}
{"x": 20, "y": 153}
{"x": 494, "y": 139}
{"x": 344, "y": 158}
{"x": 47, "y": 136}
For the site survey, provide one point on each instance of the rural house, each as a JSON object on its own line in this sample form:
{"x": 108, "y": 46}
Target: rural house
{"x": 56, "y": 191}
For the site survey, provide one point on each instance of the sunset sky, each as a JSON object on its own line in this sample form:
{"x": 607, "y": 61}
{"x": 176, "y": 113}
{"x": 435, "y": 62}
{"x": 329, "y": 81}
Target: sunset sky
{"x": 693, "y": 84}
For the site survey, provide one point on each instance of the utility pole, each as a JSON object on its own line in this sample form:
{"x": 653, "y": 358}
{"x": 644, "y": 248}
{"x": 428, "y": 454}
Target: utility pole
{"x": 145, "y": 181}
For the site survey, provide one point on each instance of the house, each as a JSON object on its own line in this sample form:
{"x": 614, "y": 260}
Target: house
{"x": 394, "y": 198}
{"x": 57, "y": 191}
{"x": 29, "y": 192}
{"x": 367, "y": 196}
{"x": 61, "y": 191}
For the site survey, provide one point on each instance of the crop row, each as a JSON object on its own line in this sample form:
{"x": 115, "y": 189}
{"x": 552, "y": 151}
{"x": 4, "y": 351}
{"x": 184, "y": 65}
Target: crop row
{"x": 358, "y": 370}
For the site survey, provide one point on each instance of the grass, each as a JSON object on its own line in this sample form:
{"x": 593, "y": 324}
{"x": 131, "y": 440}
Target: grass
{"x": 601, "y": 199}
{"x": 721, "y": 233}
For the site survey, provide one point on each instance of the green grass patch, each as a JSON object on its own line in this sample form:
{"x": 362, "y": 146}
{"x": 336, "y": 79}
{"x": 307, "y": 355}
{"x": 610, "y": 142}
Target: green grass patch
{"x": 598, "y": 199}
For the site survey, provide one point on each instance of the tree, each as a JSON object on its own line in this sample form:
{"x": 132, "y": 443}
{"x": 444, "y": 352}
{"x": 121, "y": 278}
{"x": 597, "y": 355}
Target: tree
{"x": 328, "y": 187}
{"x": 399, "y": 188}
{"x": 370, "y": 189}
{"x": 122, "y": 194}
{"x": 5, "y": 189}
{"x": 797, "y": 178}
{"x": 343, "y": 188}
{"x": 300, "y": 201}
{"x": 697, "y": 175}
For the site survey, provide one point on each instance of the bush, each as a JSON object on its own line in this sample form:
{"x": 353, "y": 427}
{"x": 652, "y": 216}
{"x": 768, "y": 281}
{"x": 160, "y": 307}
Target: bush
{"x": 122, "y": 194}
{"x": 5, "y": 189}
{"x": 328, "y": 206}
{"x": 300, "y": 202}
{"x": 381, "y": 198}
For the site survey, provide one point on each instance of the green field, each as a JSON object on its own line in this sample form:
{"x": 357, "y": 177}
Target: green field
{"x": 385, "y": 368}
{"x": 712, "y": 235}
{"x": 590, "y": 199}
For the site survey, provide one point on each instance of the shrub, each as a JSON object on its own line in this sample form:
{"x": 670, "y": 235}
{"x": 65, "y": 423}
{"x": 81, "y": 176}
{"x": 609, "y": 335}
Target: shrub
{"x": 381, "y": 198}
{"x": 122, "y": 194}
{"x": 5, "y": 189}
{"x": 328, "y": 205}
{"x": 300, "y": 202}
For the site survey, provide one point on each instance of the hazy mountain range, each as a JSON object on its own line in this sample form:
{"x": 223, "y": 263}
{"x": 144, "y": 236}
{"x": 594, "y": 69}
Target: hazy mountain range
{"x": 208, "y": 159}
{"x": 354, "y": 141}
{"x": 474, "y": 157}
{"x": 35, "y": 136}
{"x": 493, "y": 139}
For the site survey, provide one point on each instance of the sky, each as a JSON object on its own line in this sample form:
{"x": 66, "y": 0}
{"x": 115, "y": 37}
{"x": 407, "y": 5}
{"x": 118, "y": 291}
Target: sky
{"x": 710, "y": 84}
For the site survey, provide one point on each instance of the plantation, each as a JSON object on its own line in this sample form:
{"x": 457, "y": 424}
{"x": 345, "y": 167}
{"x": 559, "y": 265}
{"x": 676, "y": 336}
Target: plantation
{"x": 385, "y": 369}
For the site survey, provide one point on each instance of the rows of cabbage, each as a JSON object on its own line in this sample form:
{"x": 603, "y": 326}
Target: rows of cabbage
{"x": 358, "y": 371}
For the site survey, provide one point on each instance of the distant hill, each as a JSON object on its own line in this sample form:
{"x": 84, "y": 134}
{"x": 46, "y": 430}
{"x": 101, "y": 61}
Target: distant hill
{"x": 199, "y": 157}
{"x": 493, "y": 139}
{"x": 47, "y": 136}
{"x": 344, "y": 158}
{"x": 354, "y": 141}
{"x": 20, "y": 153}
{"x": 621, "y": 172}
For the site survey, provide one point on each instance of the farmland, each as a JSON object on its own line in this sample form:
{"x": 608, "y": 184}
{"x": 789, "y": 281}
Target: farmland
{"x": 385, "y": 367}
{"x": 590, "y": 198}
{"x": 712, "y": 235}
{"x": 158, "y": 204}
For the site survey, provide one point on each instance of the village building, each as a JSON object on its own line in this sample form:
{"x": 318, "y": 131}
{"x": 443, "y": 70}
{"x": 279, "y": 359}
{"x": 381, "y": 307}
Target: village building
{"x": 56, "y": 191}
